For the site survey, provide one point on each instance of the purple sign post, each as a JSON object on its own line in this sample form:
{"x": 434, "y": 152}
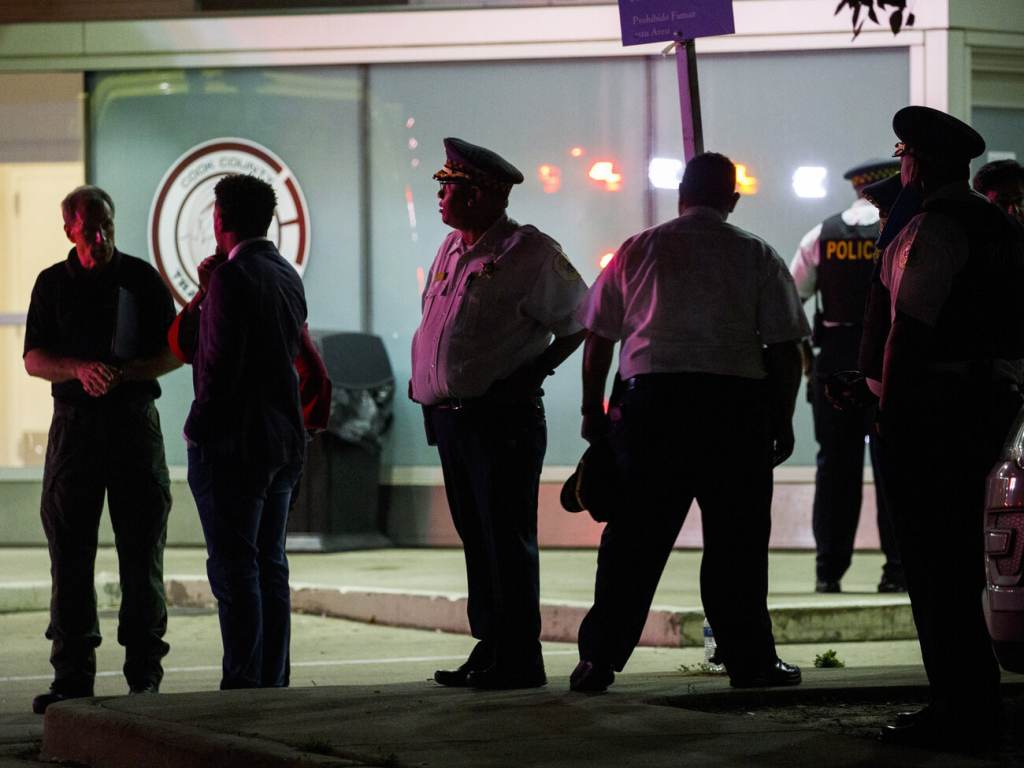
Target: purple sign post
{"x": 680, "y": 21}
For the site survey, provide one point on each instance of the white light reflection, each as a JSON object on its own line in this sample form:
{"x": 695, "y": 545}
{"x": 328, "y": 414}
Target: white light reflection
{"x": 809, "y": 181}
{"x": 665, "y": 172}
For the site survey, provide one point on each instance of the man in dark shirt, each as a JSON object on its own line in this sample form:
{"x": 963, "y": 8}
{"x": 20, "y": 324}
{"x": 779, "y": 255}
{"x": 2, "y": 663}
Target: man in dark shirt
{"x": 245, "y": 432}
{"x": 96, "y": 329}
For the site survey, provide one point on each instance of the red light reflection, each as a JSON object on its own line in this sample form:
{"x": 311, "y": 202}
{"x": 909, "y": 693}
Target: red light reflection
{"x": 550, "y": 177}
{"x": 604, "y": 171}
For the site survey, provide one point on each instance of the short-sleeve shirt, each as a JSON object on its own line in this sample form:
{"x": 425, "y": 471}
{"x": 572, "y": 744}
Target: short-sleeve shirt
{"x": 490, "y": 308}
{"x": 695, "y": 295}
{"x": 73, "y": 313}
{"x": 918, "y": 267}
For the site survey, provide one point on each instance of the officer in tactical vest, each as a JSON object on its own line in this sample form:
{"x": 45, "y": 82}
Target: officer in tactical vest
{"x": 953, "y": 275}
{"x": 834, "y": 265}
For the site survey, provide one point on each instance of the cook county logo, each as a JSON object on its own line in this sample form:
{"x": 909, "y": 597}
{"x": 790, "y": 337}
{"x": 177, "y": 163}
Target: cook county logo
{"x": 181, "y": 217}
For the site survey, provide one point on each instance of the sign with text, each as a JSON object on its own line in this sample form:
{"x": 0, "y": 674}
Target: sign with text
{"x": 657, "y": 21}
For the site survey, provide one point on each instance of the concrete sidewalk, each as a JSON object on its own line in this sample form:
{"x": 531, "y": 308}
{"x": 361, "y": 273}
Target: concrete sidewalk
{"x": 653, "y": 721}
{"x": 425, "y": 589}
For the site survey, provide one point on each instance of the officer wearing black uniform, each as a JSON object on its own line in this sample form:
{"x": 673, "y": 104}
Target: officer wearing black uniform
{"x": 834, "y": 264}
{"x": 952, "y": 273}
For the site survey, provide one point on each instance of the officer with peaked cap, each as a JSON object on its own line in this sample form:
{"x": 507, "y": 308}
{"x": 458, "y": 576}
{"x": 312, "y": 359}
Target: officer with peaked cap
{"x": 498, "y": 317}
{"x": 834, "y": 264}
{"x": 943, "y": 414}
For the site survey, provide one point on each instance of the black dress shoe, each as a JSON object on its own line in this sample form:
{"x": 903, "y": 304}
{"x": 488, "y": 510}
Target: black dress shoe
{"x": 890, "y": 584}
{"x": 924, "y": 729}
{"x": 911, "y": 716}
{"x": 589, "y": 677}
{"x": 778, "y": 674}
{"x": 143, "y": 688}
{"x": 823, "y": 586}
{"x": 504, "y": 678}
{"x": 43, "y": 700}
{"x": 453, "y": 678}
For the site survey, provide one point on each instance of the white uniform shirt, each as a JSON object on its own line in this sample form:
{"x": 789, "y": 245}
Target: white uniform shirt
{"x": 695, "y": 294}
{"x": 804, "y": 266}
{"x": 490, "y": 308}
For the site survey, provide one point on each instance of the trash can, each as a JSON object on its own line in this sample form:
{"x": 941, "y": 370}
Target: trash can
{"x": 337, "y": 506}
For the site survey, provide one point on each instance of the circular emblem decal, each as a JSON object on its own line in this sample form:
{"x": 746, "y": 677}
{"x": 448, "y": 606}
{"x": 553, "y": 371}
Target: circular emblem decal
{"x": 181, "y": 217}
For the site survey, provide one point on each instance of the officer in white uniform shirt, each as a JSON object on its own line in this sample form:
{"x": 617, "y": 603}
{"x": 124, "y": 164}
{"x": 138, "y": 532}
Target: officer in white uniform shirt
{"x": 709, "y": 323}
{"x": 498, "y": 317}
{"x": 834, "y": 265}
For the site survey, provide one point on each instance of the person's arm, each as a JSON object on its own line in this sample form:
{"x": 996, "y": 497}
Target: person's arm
{"x": 597, "y": 362}
{"x": 152, "y": 367}
{"x": 783, "y": 363}
{"x": 224, "y": 327}
{"x": 905, "y": 354}
{"x": 97, "y": 378}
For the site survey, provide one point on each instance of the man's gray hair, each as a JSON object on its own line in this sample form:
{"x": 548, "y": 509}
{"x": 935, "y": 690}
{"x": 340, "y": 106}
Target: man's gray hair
{"x": 87, "y": 192}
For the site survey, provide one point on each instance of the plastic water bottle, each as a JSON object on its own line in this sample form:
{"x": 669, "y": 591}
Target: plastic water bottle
{"x": 710, "y": 647}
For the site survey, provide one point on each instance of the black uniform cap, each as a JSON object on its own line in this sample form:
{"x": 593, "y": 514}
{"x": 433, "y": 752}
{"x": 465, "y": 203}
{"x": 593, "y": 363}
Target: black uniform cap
{"x": 937, "y": 134}
{"x": 871, "y": 171}
{"x": 882, "y": 194}
{"x": 470, "y": 164}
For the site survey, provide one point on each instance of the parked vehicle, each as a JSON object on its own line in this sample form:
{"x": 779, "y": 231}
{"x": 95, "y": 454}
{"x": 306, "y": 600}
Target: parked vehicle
{"x": 1004, "y": 551}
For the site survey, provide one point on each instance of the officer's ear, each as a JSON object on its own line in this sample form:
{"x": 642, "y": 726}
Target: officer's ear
{"x": 735, "y": 199}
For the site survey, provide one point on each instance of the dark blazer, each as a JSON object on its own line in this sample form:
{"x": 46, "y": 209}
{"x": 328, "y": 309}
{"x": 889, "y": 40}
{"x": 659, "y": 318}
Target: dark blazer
{"x": 246, "y": 405}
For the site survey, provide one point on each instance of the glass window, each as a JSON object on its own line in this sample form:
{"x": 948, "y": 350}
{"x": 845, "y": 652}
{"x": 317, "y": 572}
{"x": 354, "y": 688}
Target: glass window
{"x": 141, "y": 123}
{"x": 40, "y": 162}
{"x": 576, "y": 129}
{"x": 1001, "y": 129}
{"x": 774, "y": 113}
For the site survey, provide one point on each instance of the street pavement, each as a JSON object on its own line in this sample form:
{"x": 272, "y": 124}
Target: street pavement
{"x": 362, "y": 693}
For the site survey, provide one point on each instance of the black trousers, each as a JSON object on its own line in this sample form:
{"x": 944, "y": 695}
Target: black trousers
{"x": 491, "y": 456}
{"x": 838, "y": 487}
{"x": 683, "y": 437}
{"x": 937, "y": 457}
{"x": 115, "y": 450}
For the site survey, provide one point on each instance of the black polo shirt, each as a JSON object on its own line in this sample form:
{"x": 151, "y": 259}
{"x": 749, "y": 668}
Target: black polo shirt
{"x": 73, "y": 313}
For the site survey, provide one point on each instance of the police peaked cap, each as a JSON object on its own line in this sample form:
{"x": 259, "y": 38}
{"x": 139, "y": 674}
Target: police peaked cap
{"x": 871, "y": 171}
{"x": 937, "y": 134}
{"x": 471, "y": 164}
{"x": 882, "y": 194}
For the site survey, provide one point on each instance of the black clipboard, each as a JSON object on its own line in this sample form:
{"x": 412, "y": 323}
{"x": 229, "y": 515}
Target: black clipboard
{"x": 126, "y": 342}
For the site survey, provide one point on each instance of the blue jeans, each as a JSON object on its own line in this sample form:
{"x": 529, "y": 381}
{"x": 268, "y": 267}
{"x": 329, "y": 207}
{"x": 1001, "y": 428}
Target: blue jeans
{"x": 244, "y": 513}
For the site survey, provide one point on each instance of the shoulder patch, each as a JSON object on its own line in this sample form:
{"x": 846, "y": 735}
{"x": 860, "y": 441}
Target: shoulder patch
{"x": 564, "y": 268}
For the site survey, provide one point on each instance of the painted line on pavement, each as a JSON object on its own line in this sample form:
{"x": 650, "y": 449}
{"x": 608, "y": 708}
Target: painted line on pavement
{"x": 326, "y": 663}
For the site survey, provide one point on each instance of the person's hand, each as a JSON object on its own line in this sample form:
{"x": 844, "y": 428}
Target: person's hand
{"x": 848, "y": 390}
{"x": 97, "y": 378}
{"x": 783, "y": 443}
{"x": 594, "y": 427}
{"x": 207, "y": 267}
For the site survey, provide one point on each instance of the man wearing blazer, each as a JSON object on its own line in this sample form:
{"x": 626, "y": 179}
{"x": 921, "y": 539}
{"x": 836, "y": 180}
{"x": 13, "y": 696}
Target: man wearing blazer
{"x": 245, "y": 432}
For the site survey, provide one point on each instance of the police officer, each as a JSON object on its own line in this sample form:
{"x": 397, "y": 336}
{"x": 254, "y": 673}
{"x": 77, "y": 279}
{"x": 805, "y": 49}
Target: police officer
{"x": 709, "y": 323}
{"x": 1002, "y": 182}
{"x": 834, "y": 264}
{"x": 96, "y": 329}
{"x": 497, "y": 319}
{"x": 943, "y": 414}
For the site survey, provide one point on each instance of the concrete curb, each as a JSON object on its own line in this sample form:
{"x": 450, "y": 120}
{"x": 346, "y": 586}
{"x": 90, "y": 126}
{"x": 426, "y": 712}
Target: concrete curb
{"x": 87, "y": 731}
{"x": 667, "y": 626}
